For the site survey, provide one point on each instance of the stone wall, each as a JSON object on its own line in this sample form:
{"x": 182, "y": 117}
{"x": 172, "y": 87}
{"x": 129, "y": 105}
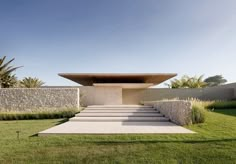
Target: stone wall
{"x": 19, "y": 99}
{"x": 178, "y": 111}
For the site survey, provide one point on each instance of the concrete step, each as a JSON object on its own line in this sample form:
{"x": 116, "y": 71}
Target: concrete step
{"x": 130, "y": 114}
{"x": 118, "y": 119}
{"x": 118, "y": 106}
{"x": 118, "y": 110}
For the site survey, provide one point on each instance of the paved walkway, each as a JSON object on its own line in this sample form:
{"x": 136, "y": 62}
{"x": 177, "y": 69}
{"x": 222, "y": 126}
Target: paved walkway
{"x": 133, "y": 119}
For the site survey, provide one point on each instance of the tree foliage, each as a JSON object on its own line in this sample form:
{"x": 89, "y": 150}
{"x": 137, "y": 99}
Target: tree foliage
{"x": 7, "y": 79}
{"x": 29, "y": 82}
{"x": 215, "y": 80}
{"x": 188, "y": 82}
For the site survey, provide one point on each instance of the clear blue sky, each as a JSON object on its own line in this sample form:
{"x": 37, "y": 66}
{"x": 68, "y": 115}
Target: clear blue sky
{"x": 190, "y": 37}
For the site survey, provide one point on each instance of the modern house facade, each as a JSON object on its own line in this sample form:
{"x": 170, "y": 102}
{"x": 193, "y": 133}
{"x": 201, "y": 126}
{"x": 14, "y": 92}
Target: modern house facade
{"x": 106, "y": 89}
{"x": 131, "y": 88}
{"x": 111, "y": 88}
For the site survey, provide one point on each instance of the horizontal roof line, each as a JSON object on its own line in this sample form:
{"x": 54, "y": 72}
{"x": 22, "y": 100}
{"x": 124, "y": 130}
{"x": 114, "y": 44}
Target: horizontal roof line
{"x": 117, "y": 74}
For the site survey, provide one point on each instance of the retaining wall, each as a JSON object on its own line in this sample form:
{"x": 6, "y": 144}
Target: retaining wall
{"x": 178, "y": 111}
{"x": 18, "y": 99}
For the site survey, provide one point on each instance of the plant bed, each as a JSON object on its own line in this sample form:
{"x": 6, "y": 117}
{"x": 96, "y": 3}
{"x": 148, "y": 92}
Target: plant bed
{"x": 27, "y": 115}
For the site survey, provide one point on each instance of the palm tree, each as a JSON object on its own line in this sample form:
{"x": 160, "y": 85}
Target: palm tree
{"x": 196, "y": 82}
{"x": 9, "y": 81}
{"x": 179, "y": 83}
{"x": 6, "y": 73}
{"x": 187, "y": 82}
{"x": 29, "y": 82}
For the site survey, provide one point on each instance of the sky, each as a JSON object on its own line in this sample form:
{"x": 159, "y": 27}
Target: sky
{"x": 186, "y": 37}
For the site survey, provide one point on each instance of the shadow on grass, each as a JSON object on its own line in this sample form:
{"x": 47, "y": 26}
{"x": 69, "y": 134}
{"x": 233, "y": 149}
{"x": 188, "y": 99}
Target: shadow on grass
{"x": 162, "y": 141}
{"x": 230, "y": 112}
{"x": 34, "y": 135}
{"x": 62, "y": 121}
{"x": 57, "y": 123}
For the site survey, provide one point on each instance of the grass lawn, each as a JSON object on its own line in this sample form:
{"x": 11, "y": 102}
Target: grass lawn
{"x": 214, "y": 142}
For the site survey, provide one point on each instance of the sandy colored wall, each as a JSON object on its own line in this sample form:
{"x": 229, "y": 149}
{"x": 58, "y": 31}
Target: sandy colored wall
{"x": 135, "y": 96}
{"x": 231, "y": 85}
{"x": 19, "y": 99}
{"x": 100, "y": 95}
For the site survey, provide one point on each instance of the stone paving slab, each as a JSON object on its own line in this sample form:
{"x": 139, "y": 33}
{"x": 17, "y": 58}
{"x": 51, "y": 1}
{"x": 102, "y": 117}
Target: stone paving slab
{"x": 115, "y": 128}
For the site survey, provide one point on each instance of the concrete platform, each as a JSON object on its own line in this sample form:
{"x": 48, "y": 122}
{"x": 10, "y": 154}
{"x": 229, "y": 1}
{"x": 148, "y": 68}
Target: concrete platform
{"x": 115, "y": 128}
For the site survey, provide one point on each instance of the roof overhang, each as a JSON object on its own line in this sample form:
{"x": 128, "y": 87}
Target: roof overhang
{"x": 124, "y": 80}
{"x": 124, "y": 85}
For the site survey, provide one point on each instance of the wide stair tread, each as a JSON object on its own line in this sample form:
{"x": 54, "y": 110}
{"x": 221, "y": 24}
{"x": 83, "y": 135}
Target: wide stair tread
{"x": 114, "y": 108}
{"x": 119, "y": 113}
{"x": 119, "y": 106}
{"x": 119, "y": 110}
{"x": 125, "y": 119}
{"x": 130, "y": 114}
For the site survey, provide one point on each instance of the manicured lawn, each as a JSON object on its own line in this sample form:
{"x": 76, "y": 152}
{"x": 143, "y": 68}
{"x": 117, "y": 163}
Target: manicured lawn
{"x": 215, "y": 142}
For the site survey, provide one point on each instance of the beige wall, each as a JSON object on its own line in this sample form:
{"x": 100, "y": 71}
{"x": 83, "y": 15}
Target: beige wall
{"x": 135, "y": 96}
{"x": 231, "y": 85}
{"x": 100, "y": 95}
{"x": 116, "y": 95}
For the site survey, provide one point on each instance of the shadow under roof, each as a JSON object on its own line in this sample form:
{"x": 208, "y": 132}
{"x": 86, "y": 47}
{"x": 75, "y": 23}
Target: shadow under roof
{"x": 89, "y": 79}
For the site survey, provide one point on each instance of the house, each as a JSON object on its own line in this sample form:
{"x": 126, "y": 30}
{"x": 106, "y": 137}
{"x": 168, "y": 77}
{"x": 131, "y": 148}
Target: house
{"x": 115, "y": 88}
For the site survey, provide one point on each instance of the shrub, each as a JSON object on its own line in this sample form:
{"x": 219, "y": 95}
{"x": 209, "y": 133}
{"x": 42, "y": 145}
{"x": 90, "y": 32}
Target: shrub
{"x": 38, "y": 115}
{"x": 198, "y": 114}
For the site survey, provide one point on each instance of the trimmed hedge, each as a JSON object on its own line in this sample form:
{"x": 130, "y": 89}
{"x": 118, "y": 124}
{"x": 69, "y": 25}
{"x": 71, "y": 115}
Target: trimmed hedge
{"x": 37, "y": 115}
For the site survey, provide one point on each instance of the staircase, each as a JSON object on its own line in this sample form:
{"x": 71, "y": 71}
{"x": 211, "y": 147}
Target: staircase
{"x": 117, "y": 119}
{"x": 119, "y": 113}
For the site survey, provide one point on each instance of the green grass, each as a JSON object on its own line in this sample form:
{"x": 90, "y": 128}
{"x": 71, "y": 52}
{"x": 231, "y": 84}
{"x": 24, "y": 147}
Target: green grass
{"x": 214, "y": 142}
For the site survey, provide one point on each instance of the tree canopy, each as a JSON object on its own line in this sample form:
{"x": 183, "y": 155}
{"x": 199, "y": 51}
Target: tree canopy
{"x": 215, "y": 80}
{"x": 188, "y": 82}
{"x": 7, "y": 78}
{"x": 196, "y": 82}
{"x": 29, "y": 82}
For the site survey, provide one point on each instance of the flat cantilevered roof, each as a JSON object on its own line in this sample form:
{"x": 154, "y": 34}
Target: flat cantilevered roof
{"x": 109, "y": 79}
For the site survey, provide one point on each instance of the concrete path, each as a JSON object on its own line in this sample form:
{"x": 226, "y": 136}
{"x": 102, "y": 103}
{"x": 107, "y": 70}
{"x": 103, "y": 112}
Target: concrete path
{"x": 126, "y": 119}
